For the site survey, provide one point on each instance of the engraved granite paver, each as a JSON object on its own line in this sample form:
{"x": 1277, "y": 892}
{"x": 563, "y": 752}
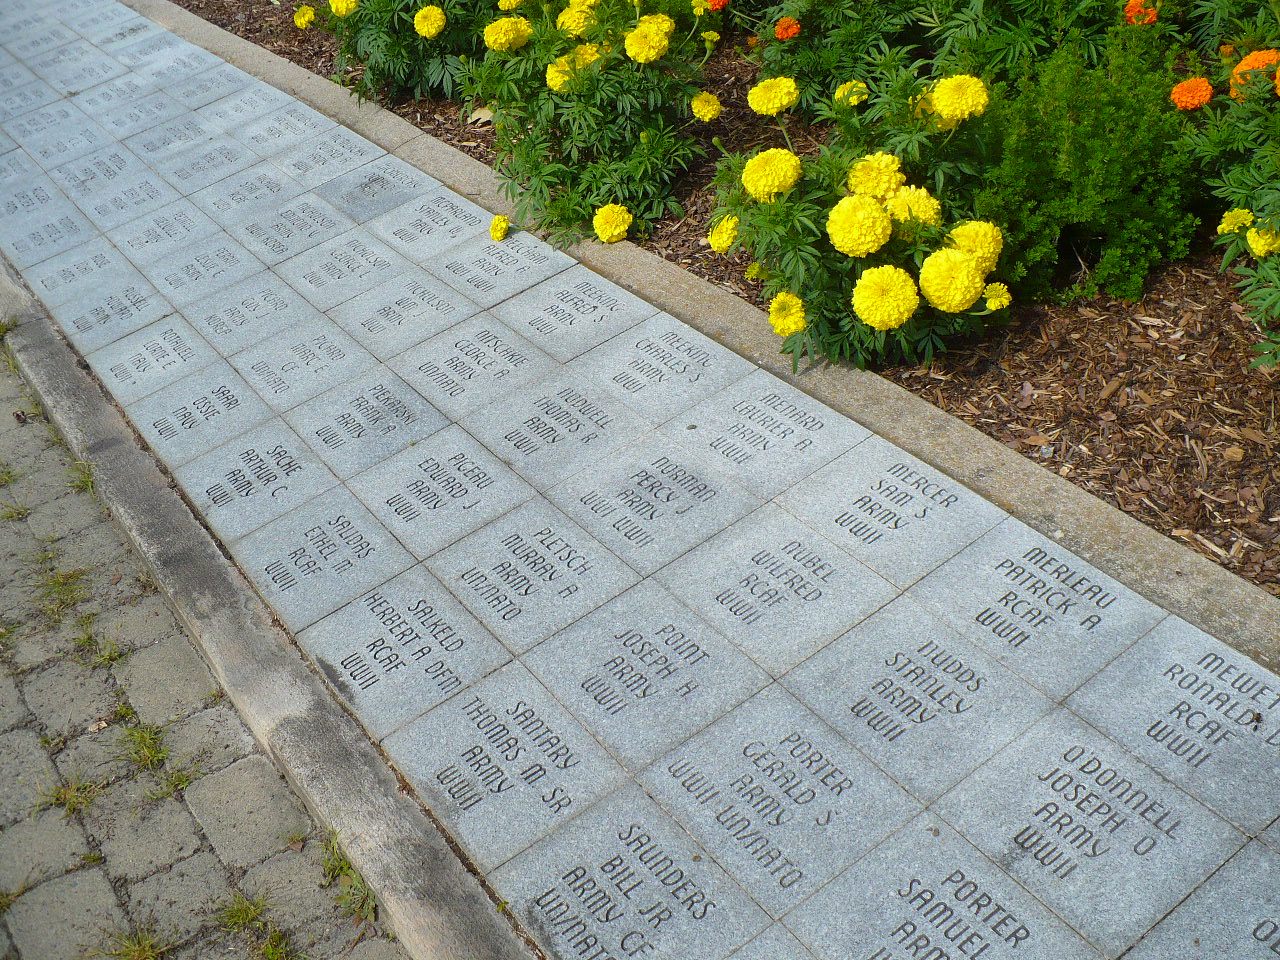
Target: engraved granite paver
{"x": 326, "y": 156}
{"x": 426, "y": 227}
{"x": 1272, "y": 836}
{"x": 162, "y": 232}
{"x": 377, "y": 187}
{"x": 209, "y": 85}
{"x": 148, "y": 46}
{"x": 98, "y": 172}
{"x": 242, "y": 194}
{"x": 283, "y": 128}
{"x": 12, "y": 76}
{"x": 43, "y": 230}
{"x": 250, "y": 311}
{"x": 296, "y": 363}
{"x": 119, "y": 306}
{"x": 489, "y": 271}
{"x": 338, "y": 269}
{"x": 116, "y": 205}
{"x": 166, "y": 139}
{"x": 1205, "y": 716}
{"x": 177, "y": 65}
{"x": 113, "y": 94}
{"x": 392, "y": 317}
{"x": 281, "y": 230}
{"x": 208, "y": 162}
{"x": 205, "y": 267}
{"x": 28, "y": 97}
{"x": 1102, "y": 839}
{"x": 776, "y": 943}
{"x": 247, "y": 103}
{"x": 83, "y": 270}
{"x": 151, "y": 358}
{"x": 501, "y": 763}
{"x": 57, "y": 134}
{"x": 400, "y": 649}
{"x": 142, "y": 113}
{"x": 77, "y": 65}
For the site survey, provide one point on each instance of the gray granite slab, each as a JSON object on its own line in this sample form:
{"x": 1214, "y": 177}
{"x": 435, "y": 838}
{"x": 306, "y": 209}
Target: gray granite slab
{"x": 205, "y": 87}
{"x": 296, "y": 363}
{"x": 765, "y": 434}
{"x": 400, "y": 650}
{"x": 99, "y": 21}
{"x": 246, "y": 104}
{"x": 114, "y": 206}
{"x": 775, "y": 588}
{"x": 439, "y": 490}
{"x": 1103, "y": 840}
{"x": 162, "y": 232}
{"x": 151, "y": 358}
{"x": 893, "y": 512}
{"x": 198, "y": 413}
{"x": 24, "y": 99}
{"x": 7, "y": 143}
{"x": 572, "y": 312}
{"x": 651, "y": 502}
{"x": 377, "y": 187}
{"x": 147, "y": 46}
{"x": 29, "y": 198}
{"x": 207, "y": 162}
{"x": 99, "y": 172}
{"x": 924, "y": 705}
{"x": 331, "y": 154}
{"x": 926, "y": 891}
{"x": 778, "y": 798}
{"x": 123, "y": 32}
{"x": 530, "y": 573}
{"x": 121, "y": 305}
{"x": 625, "y": 880}
{"x": 166, "y": 139}
{"x": 502, "y": 764}
{"x": 12, "y": 76}
{"x": 364, "y": 420}
{"x": 142, "y": 114}
{"x": 283, "y": 128}
{"x": 184, "y": 65}
{"x": 555, "y": 428}
{"x": 341, "y": 268}
{"x": 319, "y": 557}
{"x": 472, "y": 364}
{"x": 242, "y": 194}
{"x": 254, "y": 478}
{"x": 278, "y": 231}
{"x": 44, "y": 232}
{"x": 112, "y": 95}
{"x": 74, "y": 66}
{"x": 776, "y": 943}
{"x": 489, "y": 271}
{"x": 248, "y": 312}
{"x": 42, "y": 36}
{"x": 78, "y": 272}
{"x": 392, "y": 317}
{"x": 425, "y": 227}
{"x": 1041, "y": 610}
{"x": 1205, "y": 716}
{"x": 644, "y": 674}
{"x": 57, "y": 134}
{"x": 200, "y": 270}
{"x": 661, "y": 367}
{"x": 16, "y": 166}
{"x": 1272, "y": 836}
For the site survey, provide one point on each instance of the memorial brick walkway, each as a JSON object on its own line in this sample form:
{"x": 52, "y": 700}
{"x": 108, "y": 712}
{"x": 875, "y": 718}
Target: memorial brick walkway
{"x": 685, "y": 661}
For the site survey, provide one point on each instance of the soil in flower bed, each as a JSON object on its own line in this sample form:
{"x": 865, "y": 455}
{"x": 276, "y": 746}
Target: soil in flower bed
{"x": 1150, "y": 406}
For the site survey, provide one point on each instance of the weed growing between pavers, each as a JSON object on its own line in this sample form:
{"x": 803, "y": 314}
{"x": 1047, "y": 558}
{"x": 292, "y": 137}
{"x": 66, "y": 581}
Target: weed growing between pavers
{"x": 7, "y": 475}
{"x": 59, "y": 591}
{"x": 7, "y": 897}
{"x": 14, "y": 511}
{"x": 241, "y": 912}
{"x": 82, "y": 478}
{"x": 354, "y": 897}
{"x": 95, "y": 649}
{"x": 174, "y": 780}
{"x": 142, "y": 943}
{"x": 73, "y": 796}
{"x": 143, "y": 747}
{"x": 248, "y": 916}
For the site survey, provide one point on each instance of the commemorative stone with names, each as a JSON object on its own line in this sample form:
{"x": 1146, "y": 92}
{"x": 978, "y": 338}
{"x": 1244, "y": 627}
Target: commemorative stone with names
{"x": 7, "y": 143}
{"x": 112, "y": 206}
{"x": 246, "y": 104}
{"x": 893, "y": 512}
{"x": 39, "y": 38}
{"x": 249, "y": 312}
{"x": 530, "y": 573}
{"x": 1102, "y": 839}
{"x": 778, "y": 798}
{"x": 425, "y": 227}
{"x": 652, "y": 502}
{"x": 775, "y": 588}
{"x": 121, "y": 305}
{"x": 122, "y": 33}
{"x": 622, "y": 880}
{"x": 71, "y": 136}
{"x": 153, "y": 357}
{"x": 572, "y": 312}
{"x": 400, "y": 313}
{"x": 98, "y": 172}
{"x": 644, "y": 674}
{"x": 198, "y": 413}
{"x": 1204, "y": 715}
{"x": 1044, "y": 612}
{"x": 338, "y": 269}
{"x": 472, "y": 364}
{"x": 134, "y": 117}
{"x": 166, "y": 139}
{"x": 376, "y": 187}
{"x": 283, "y": 128}
{"x": 555, "y": 427}
{"x": 439, "y": 490}
{"x": 80, "y": 271}
{"x": 489, "y": 271}
{"x": 151, "y": 45}
{"x": 924, "y": 705}
{"x": 112, "y": 95}
{"x": 206, "y": 162}
{"x": 202, "y": 269}
{"x": 299, "y": 362}
{"x": 280, "y": 231}
{"x": 162, "y": 232}
{"x": 502, "y": 764}
{"x": 77, "y": 65}
{"x": 242, "y": 194}
{"x": 926, "y": 892}
{"x": 776, "y": 943}
{"x": 400, "y": 650}
{"x": 319, "y": 557}
{"x": 210, "y": 85}
{"x": 765, "y": 434}
{"x": 15, "y": 166}
{"x": 12, "y": 76}
{"x": 329, "y": 155}
{"x": 28, "y": 199}
{"x": 48, "y": 231}
{"x": 661, "y": 367}
{"x": 28, "y": 97}
{"x": 180, "y": 65}
{"x": 100, "y": 21}
{"x": 254, "y": 478}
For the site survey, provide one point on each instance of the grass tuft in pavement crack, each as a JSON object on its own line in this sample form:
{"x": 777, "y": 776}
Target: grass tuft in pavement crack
{"x": 354, "y": 896}
{"x": 143, "y": 746}
{"x": 82, "y": 478}
{"x": 73, "y": 796}
{"x": 14, "y": 511}
{"x": 95, "y": 649}
{"x": 174, "y": 780}
{"x": 241, "y": 912}
{"x": 60, "y": 590}
{"x": 143, "y": 943}
{"x": 7, "y": 475}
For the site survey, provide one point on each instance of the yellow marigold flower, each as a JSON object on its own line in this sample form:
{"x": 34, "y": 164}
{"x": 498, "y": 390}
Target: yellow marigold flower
{"x": 723, "y": 234}
{"x": 575, "y": 18}
{"x": 786, "y": 314}
{"x": 951, "y": 280}
{"x": 770, "y": 97}
{"x": 508, "y": 33}
{"x": 498, "y": 228}
{"x": 858, "y": 226}
{"x": 1262, "y": 242}
{"x": 959, "y": 98}
{"x": 509, "y": 4}
{"x": 657, "y": 21}
{"x": 915, "y": 203}
{"x": 877, "y": 175}
{"x": 343, "y": 8}
{"x": 710, "y": 38}
{"x": 646, "y": 44}
{"x": 771, "y": 173}
{"x": 705, "y": 106}
{"x": 699, "y": 7}
{"x": 558, "y": 73}
{"x": 754, "y": 271}
{"x": 997, "y": 296}
{"x": 303, "y": 16}
{"x": 1233, "y": 220}
{"x": 428, "y": 22}
{"x": 561, "y": 71}
{"x": 852, "y": 93}
{"x": 885, "y": 297}
{"x": 611, "y": 222}
{"x": 981, "y": 240}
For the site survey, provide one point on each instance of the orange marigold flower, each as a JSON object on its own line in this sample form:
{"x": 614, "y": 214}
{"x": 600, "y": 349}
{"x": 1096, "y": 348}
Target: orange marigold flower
{"x": 717, "y": 5}
{"x": 1258, "y": 60}
{"x": 1227, "y": 50}
{"x": 787, "y": 28}
{"x": 1191, "y": 94}
{"x": 1137, "y": 13}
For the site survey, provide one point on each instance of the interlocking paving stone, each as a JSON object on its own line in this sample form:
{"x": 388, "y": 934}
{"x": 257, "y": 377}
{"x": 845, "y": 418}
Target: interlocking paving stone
{"x": 240, "y": 195}
{"x": 426, "y": 227}
{"x": 776, "y": 943}
{"x": 439, "y": 490}
{"x": 280, "y": 231}
{"x": 151, "y": 358}
{"x": 121, "y": 305}
{"x": 1205, "y": 716}
{"x": 247, "y": 103}
{"x": 205, "y": 163}
{"x": 162, "y": 232}
{"x": 392, "y": 317}
{"x": 375, "y": 188}
{"x": 248, "y": 312}
{"x": 1099, "y": 837}
{"x": 923, "y": 704}
{"x": 927, "y": 891}
{"x": 657, "y": 893}
{"x": 341, "y": 268}
{"x": 530, "y": 573}
{"x": 489, "y": 271}
{"x": 644, "y": 673}
{"x": 775, "y": 588}
{"x": 778, "y": 798}
{"x": 296, "y": 363}
{"x": 283, "y": 128}
{"x": 1042, "y": 611}
{"x": 400, "y": 649}
{"x": 502, "y": 764}
{"x": 329, "y": 155}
